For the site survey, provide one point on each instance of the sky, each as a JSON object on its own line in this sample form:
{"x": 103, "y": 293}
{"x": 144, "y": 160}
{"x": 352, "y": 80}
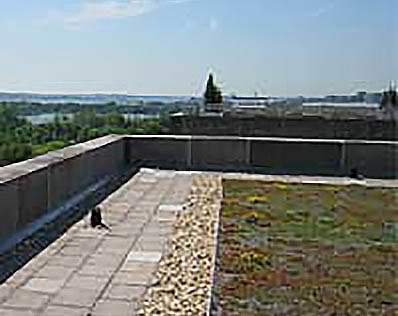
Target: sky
{"x": 168, "y": 47}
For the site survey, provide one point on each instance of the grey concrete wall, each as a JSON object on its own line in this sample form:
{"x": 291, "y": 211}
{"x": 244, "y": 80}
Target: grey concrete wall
{"x": 219, "y": 153}
{"x": 267, "y": 155}
{"x": 32, "y": 196}
{"x": 374, "y": 160}
{"x": 299, "y": 127}
{"x": 9, "y": 209}
{"x": 296, "y": 157}
{"x": 33, "y": 188}
{"x": 162, "y": 152}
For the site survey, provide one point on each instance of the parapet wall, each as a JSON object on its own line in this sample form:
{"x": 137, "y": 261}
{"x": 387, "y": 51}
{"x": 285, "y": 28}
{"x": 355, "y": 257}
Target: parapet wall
{"x": 267, "y": 155}
{"x": 291, "y": 127}
{"x": 36, "y": 187}
{"x": 42, "y": 186}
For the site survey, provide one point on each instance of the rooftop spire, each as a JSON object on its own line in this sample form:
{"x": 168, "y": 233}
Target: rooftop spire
{"x": 393, "y": 86}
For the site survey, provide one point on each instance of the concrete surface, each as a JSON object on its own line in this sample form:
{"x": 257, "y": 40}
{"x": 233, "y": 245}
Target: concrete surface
{"x": 36, "y": 188}
{"x": 97, "y": 271}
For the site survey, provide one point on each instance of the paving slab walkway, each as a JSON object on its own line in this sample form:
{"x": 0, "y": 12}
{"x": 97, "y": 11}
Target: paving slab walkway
{"x": 97, "y": 272}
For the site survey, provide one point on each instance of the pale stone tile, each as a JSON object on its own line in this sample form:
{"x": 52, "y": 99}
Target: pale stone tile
{"x": 144, "y": 256}
{"x": 54, "y": 310}
{"x": 26, "y": 299}
{"x": 141, "y": 277}
{"x": 16, "y": 312}
{"x": 65, "y": 261}
{"x": 94, "y": 283}
{"x": 70, "y": 296}
{"x": 104, "y": 259}
{"x": 149, "y": 246}
{"x": 170, "y": 208}
{"x": 98, "y": 270}
{"x": 49, "y": 286}
{"x": 148, "y": 179}
{"x": 112, "y": 242}
{"x": 124, "y": 292}
{"x": 5, "y": 291}
{"x": 84, "y": 243}
{"x": 72, "y": 250}
{"x": 113, "y": 307}
{"x": 55, "y": 272}
{"x": 131, "y": 266}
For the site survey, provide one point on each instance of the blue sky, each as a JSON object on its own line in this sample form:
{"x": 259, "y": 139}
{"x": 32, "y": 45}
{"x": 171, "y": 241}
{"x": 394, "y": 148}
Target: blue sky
{"x": 167, "y": 47}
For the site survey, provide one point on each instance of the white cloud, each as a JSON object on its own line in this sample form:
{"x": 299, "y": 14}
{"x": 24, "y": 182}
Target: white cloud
{"x": 92, "y": 11}
{"x": 213, "y": 24}
{"x": 323, "y": 10}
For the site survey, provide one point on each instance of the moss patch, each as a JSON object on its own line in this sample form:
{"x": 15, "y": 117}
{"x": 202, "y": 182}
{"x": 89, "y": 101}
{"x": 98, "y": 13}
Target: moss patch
{"x": 307, "y": 249}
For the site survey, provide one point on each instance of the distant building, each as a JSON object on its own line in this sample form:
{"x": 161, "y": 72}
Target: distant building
{"x": 373, "y": 97}
{"x": 389, "y": 103}
{"x": 340, "y": 98}
{"x": 214, "y": 107}
{"x": 361, "y": 96}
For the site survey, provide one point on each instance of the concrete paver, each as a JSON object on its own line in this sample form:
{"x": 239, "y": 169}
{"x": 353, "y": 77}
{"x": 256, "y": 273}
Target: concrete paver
{"x": 73, "y": 296}
{"x": 65, "y": 261}
{"x": 144, "y": 256}
{"x": 55, "y": 272}
{"x": 140, "y": 278}
{"x": 86, "y": 282}
{"x": 46, "y": 285}
{"x": 54, "y": 310}
{"x": 170, "y": 208}
{"x": 113, "y": 307}
{"x": 15, "y": 312}
{"x": 5, "y": 291}
{"x": 98, "y": 271}
{"x": 26, "y": 299}
{"x": 124, "y": 292}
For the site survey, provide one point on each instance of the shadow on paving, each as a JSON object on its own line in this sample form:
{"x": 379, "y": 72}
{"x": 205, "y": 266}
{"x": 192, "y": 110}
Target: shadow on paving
{"x": 15, "y": 258}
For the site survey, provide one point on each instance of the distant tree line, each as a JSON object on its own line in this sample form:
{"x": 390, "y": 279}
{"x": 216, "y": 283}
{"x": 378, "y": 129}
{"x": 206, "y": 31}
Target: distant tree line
{"x": 20, "y": 140}
{"x": 152, "y": 108}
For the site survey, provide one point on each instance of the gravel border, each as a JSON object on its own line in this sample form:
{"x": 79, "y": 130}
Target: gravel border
{"x": 186, "y": 270}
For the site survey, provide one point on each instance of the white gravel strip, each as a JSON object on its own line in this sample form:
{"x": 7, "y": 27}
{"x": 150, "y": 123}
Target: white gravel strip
{"x": 186, "y": 270}
{"x": 215, "y": 250}
{"x": 384, "y": 183}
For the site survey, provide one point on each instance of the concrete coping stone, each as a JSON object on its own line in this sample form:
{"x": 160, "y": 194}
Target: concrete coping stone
{"x": 19, "y": 169}
{"x": 178, "y": 137}
{"x": 75, "y": 150}
{"x": 167, "y": 174}
{"x": 144, "y": 256}
{"x": 23, "y": 168}
{"x": 270, "y": 139}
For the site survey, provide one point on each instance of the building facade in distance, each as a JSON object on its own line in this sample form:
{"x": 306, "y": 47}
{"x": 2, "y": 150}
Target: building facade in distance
{"x": 389, "y": 103}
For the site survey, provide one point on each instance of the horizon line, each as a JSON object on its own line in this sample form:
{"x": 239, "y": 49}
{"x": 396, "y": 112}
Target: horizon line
{"x": 126, "y": 94}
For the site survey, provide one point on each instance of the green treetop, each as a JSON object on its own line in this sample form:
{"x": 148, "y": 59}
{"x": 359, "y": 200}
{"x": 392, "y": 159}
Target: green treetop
{"x": 213, "y": 94}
